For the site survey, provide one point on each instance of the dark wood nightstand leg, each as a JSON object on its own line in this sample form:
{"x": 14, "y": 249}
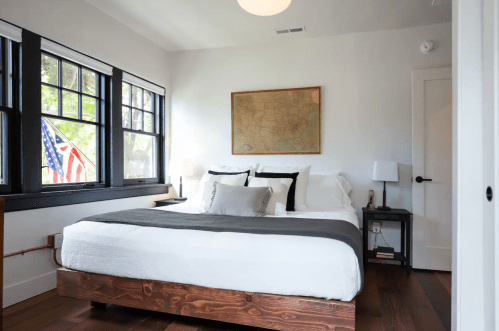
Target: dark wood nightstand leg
{"x": 408, "y": 248}
{"x": 402, "y": 240}
{"x": 365, "y": 236}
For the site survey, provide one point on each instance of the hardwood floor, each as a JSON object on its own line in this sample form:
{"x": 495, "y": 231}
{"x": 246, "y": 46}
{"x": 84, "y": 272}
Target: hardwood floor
{"x": 389, "y": 301}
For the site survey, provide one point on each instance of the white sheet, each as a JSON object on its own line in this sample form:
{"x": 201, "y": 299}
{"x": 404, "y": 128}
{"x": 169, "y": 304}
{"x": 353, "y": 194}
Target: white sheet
{"x": 278, "y": 264}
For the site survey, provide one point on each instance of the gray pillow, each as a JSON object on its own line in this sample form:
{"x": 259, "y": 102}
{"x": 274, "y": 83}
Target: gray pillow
{"x": 239, "y": 200}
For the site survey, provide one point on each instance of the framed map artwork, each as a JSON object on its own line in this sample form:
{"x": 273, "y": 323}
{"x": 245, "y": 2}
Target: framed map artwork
{"x": 286, "y": 121}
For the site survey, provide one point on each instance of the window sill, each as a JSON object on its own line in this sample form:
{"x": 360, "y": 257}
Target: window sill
{"x": 26, "y": 201}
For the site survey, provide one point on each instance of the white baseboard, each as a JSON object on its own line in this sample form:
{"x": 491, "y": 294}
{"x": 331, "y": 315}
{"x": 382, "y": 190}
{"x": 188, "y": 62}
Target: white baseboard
{"x": 18, "y": 292}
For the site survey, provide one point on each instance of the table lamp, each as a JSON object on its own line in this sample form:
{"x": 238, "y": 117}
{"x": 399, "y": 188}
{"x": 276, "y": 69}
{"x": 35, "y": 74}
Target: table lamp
{"x": 385, "y": 171}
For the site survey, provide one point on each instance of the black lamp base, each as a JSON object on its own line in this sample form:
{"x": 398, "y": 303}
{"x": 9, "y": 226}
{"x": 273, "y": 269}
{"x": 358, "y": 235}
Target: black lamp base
{"x": 384, "y": 207}
{"x": 180, "y": 198}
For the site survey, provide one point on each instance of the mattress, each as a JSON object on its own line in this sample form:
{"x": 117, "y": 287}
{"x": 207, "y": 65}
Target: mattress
{"x": 277, "y": 264}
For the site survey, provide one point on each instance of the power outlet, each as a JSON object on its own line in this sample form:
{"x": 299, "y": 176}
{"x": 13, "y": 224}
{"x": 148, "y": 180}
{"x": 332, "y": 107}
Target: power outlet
{"x": 55, "y": 240}
{"x": 376, "y": 227}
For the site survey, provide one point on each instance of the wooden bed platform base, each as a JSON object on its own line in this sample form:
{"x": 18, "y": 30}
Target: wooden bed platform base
{"x": 279, "y": 312}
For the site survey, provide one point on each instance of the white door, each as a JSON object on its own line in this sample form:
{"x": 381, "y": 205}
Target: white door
{"x": 432, "y": 159}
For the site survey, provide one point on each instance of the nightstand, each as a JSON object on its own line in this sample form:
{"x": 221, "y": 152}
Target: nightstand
{"x": 395, "y": 215}
{"x": 168, "y": 202}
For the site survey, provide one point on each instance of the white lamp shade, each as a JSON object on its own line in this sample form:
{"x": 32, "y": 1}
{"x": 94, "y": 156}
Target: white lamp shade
{"x": 264, "y": 7}
{"x": 385, "y": 171}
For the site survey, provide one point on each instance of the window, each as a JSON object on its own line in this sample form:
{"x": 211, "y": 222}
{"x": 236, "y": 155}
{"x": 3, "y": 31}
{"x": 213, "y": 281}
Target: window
{"x": 62, "y": 139}
{"x": 141, "y": 133}
{"x": 2, "y": 113}
{"x": 71, "y": 112}
{"x": 9, "y": 59}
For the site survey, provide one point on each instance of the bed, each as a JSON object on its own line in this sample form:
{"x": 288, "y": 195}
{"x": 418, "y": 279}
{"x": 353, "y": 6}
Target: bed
{"x": 284, "y": 282}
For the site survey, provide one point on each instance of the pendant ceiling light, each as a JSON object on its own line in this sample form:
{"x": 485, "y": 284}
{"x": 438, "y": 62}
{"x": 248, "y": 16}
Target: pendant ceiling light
{"x": 264, "y": 7}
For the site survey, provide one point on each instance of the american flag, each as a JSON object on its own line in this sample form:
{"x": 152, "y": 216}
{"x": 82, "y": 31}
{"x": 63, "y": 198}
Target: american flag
{"x": 64, "y": 162}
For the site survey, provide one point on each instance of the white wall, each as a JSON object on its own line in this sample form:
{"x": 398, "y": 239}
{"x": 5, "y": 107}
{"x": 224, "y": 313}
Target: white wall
{"x": 84, "y": 28}
{"x": 366, "y": 103}
{"x": 34, "y": 273}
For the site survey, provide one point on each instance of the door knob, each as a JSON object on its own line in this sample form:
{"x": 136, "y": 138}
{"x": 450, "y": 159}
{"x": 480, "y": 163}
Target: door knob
{"x": 420, "y": 179}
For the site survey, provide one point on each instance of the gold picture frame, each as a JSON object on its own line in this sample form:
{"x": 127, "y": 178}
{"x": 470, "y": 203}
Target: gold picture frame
{"x": 282, "y": 121}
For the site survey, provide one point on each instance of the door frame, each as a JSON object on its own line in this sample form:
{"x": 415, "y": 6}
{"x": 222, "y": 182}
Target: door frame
{"x": 419, "y": 77}
{"x": 475, "y": 277}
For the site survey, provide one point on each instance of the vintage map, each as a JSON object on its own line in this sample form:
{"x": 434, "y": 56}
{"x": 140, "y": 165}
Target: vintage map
{"x": 276, "y": 121}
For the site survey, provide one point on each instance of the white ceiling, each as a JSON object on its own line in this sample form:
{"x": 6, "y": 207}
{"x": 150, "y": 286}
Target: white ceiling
{"x": 199, "y": 24}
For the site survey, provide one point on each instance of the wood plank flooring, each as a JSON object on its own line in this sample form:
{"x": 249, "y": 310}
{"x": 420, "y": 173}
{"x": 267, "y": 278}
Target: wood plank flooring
{"x": 389, "y": 301}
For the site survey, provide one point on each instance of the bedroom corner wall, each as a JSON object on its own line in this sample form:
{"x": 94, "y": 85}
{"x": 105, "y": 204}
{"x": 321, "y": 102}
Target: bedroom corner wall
{"x": 80, "y": 26}
{"x": 366, "y": 103}
{"x": 34, "y": 273}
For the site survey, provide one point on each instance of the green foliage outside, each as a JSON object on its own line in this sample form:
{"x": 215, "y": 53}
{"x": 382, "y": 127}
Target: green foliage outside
{"x": 139, "y": 150}
{"x": 83, "y": 136}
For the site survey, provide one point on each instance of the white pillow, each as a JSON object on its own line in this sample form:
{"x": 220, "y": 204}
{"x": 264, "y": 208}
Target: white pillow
{"x": 205, "y": 189}
{"x": 239, "y": 200}
{"x": 326, "y": 192}
{"x": 301, "y": 183}
{"x": 279, "y": 197}
{"x": 344, "y": 183}
{"x": 251, "y": 168}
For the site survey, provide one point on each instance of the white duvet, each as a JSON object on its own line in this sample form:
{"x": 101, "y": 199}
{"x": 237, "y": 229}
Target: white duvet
{"x": 278, "y": 264}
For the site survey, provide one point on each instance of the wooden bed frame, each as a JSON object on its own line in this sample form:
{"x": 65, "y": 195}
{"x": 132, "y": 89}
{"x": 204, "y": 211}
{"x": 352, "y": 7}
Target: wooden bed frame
{"x": 279, "y": 312}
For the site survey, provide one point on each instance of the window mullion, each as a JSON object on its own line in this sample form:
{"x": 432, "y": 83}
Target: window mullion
{"x": 31, "y": 141}
{"x": 116, "y": 129}
{"x": 156, "y": 114}
{"x": 69, "y": 119}
{"x": 3, "y": 125}
{"x": 9, "y": 72}
{"x": 80, "y": 98}
{"x": 104, "y": 103}
{"x": 14, "y": 124}
{"x": 4, "y": 81}
{"x": 59, "y": 89}
{"x": 130, "y": 115}
{"x": 160, "y": 116}
{"x": 5, "y": 117}
{"x": 141, "y": 132}
{"x": 143, "y": 121}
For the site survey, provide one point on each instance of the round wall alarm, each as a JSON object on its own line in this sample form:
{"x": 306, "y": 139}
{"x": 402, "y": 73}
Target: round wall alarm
{"x": 426, "y": 47}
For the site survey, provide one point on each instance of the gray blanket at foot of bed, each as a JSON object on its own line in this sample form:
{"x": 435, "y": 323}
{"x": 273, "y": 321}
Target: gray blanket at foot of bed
{"x": 332, "y": 229}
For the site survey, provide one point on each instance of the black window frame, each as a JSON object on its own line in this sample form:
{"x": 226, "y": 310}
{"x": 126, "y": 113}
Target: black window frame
{"x": 156, "y": 105}
{"x": 9, "y": 106}
{"x": 25, "y": 141}
{"x": 99, "y": 119}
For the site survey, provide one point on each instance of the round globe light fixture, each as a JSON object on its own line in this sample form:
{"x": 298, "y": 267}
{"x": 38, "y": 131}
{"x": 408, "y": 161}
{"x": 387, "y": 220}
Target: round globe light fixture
{"x": 264, "y": 7}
